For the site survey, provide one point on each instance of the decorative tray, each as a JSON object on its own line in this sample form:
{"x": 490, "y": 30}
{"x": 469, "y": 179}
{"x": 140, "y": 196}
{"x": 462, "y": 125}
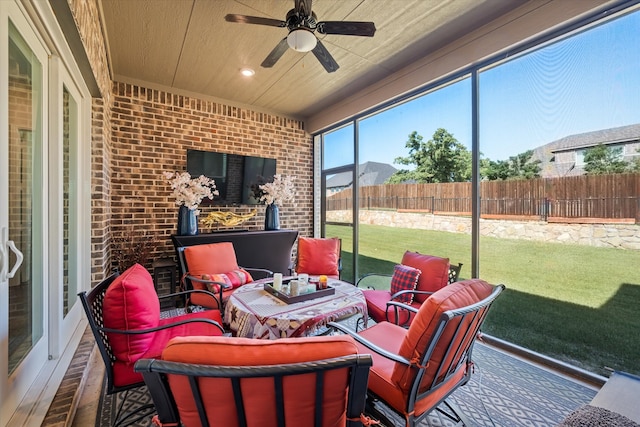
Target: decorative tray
{"x": 299, "y": 298}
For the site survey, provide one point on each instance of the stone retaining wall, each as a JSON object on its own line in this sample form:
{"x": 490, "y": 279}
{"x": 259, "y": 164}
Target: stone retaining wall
{"x": 620, "y": 236}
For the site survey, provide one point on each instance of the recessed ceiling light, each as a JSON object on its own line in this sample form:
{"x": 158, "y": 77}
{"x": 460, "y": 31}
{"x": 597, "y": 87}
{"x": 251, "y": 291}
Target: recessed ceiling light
{"x": 247, "y": 72}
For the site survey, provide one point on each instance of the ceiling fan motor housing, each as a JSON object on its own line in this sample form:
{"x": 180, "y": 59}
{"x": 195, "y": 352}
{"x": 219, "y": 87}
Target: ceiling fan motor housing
{"x": 302, "y": 24}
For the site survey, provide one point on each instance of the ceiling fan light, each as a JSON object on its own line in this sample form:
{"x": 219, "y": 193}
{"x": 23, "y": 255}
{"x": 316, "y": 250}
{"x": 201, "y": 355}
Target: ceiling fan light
{"x": 301, "y": 40}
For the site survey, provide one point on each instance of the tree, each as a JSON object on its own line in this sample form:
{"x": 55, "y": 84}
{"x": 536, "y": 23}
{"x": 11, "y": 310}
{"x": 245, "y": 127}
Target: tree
{"x": 441, "y": 159}
{"x": 520, "y": 166}
{"x": 603, "y": 159}
{"x": 635, "y": 164}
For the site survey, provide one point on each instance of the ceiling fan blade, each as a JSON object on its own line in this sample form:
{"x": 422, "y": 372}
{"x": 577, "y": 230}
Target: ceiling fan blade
{"x": 325, "y": 58}
{"x": 347, "y": 28}
{"x": 275, "y": 54}
{"x": 303, "y": 7}
{"x": 244, "y": 19}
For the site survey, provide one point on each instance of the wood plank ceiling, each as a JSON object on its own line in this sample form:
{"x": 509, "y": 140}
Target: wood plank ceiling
{"x": 187, "y": 46}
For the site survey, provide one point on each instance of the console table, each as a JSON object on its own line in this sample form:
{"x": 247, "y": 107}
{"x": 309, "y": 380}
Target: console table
{"x": 258, "y": 249}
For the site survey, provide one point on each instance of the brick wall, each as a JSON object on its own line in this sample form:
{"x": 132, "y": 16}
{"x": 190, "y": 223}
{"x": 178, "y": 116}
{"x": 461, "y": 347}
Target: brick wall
{"x": 151, "y": 132}
{"x": 136, "y": 133}
{"x": 86, "y": 16}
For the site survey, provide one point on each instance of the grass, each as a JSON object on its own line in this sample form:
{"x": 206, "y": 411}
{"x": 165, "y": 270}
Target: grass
{"x": 578, "y": 304}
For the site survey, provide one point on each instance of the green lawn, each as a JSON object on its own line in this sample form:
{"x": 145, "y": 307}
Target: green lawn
{"x": 575, "y": 303}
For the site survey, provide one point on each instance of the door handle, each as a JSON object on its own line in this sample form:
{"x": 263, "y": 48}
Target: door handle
{"x": 19, "y": 258}
{"x": 4, "y": 243}
{"x": 4, "y": 258}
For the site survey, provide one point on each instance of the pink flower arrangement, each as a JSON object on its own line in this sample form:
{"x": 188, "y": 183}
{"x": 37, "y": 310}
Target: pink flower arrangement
{"x": 190, "y": 191}
{"x": 279, "y": 191}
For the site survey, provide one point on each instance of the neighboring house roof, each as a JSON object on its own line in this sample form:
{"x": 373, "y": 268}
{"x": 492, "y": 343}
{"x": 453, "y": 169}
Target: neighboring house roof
{"x": 547, "y": 153}
{"x": 371, "y": 173}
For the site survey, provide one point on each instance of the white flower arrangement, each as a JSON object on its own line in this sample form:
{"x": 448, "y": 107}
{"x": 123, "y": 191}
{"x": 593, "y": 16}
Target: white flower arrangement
{"x": 279, "y": 191}
{"x": 190, "y": 191}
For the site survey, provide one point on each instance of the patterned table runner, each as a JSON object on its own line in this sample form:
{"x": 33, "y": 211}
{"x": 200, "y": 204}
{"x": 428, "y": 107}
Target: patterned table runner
{"x": 254, "y": 313}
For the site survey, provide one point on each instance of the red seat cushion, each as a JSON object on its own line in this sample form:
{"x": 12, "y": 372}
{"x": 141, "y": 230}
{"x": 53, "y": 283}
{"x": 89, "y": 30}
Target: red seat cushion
{"x": 389, "y": 337}
{"x": 123, "y": 370}
{"x": 130, "y": 303}
{"x": 318, "y": 256}
{"x": 434, "y": 272}
{"x": 377, "y": 305}
{"x": 258, "y": 393}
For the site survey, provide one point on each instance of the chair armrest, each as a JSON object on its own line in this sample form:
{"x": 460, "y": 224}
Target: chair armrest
{"x": 410, "y": 291}
{"x": 402, "y": 306}
{"x": 369, "y": 275}
{"x": 221, "y": 287}
{"x": 264, "y": 271}
{"x": 188, "y": 291}
{"x": 208, "y": 282}
{"x": 397, "y": 306}
{"x": 369, "y": 344}
{"x": 159, "y": 328}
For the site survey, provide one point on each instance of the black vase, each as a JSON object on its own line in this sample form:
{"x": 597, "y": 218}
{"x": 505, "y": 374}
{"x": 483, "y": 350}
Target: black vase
{"x": 187, "y": 222}
{"x": 272, "y": 217}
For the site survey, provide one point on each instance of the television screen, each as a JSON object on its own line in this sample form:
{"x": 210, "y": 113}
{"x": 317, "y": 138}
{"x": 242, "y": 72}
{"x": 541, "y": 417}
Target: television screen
{"x": 237, "y": 177}
{"x": 257, "y": 171}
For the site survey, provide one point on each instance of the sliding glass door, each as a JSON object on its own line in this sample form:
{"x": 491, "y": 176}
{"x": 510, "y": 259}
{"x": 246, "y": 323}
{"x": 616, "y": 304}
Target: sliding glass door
{"x": 23, "y": 282}
{"x": 44, "y": 213}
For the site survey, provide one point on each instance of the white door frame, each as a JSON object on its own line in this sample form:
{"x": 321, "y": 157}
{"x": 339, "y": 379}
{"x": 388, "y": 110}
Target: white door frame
{"x": 26, "y": 395}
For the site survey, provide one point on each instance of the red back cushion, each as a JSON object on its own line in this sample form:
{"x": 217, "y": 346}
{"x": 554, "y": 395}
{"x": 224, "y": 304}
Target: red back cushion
{"x": 318, "y": 256}
{"x": 258, "y": 392}
{"x": 212, "y": 258}
{"x": 435, "y": 272}
{"x": 456, "y": 295}
{"x": 404, "y": 278}
{"x": 131, "y": 303}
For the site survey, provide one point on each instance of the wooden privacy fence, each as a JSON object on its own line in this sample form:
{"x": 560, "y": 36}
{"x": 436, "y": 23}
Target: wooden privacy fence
{"x": 590, "y": 196}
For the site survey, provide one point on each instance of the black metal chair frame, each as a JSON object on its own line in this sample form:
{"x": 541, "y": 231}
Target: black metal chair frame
{"x": 92, "y": 302}
{"x": 155, "y": 375}
{"x": 473, "y": 315}
{"x": 187, "y": 279}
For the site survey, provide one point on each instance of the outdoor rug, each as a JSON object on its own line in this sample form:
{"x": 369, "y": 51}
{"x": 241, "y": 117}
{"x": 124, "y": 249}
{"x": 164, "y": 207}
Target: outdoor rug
{"x": 503, "y": 391}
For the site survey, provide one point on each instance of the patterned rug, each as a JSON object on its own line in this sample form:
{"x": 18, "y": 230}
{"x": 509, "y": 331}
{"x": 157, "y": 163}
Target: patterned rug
{"x": 503, "y": 391}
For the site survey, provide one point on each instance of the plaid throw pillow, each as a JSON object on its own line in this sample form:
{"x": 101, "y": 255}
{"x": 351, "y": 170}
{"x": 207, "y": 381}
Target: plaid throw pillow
{"x": 235, "y": 278}
{"x": 404, "y": 278}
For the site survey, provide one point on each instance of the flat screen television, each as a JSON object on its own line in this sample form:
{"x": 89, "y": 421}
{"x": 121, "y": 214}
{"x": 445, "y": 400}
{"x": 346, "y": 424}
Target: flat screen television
{"x": 237, "y": 177}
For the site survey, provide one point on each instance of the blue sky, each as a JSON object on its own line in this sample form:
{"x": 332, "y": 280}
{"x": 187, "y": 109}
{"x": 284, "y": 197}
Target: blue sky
{"x": 586, "y": 82}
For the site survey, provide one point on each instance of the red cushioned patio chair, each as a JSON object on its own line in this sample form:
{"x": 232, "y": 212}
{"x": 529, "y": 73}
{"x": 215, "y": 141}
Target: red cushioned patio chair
{"x": 228, "y": 382}
{"x": 414, "y": 370}
{"x": 124, "y": 316}
{"x": 413, "y": 280}
{"x": 319, "y": 256}
{"x": 214, "y": 267}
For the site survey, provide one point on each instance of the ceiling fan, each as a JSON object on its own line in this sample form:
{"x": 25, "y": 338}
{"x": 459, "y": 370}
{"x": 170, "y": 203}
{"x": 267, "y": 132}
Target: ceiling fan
{"x": 302, "y": 23}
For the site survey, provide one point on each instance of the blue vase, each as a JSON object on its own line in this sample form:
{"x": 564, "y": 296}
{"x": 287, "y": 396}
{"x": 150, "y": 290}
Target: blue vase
{"x": 272, "y": 217}
{"x": 187, "y": 222}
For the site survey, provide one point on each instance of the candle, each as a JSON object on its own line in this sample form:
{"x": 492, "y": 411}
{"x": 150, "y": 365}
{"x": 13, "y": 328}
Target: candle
{"x": 295, "y": 288}
{"x": 277, "y": 281}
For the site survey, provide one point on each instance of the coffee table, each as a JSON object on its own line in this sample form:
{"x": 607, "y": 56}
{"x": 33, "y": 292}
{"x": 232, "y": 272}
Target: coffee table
{"x": 252, "y": 312}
